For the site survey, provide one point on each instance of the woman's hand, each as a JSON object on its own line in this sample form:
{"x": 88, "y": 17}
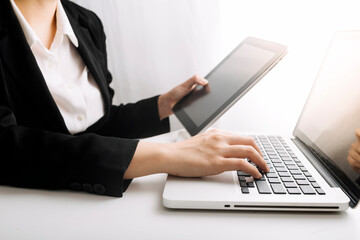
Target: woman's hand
{"x": 214, "y": 152}
{"x": 206, "y": 154}
{"x": 354, "y": 153}
{"x": 168, "y": 100}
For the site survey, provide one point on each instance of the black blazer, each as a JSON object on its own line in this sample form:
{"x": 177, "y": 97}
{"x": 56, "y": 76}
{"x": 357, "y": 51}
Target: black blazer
{"x": 37, "y": 150}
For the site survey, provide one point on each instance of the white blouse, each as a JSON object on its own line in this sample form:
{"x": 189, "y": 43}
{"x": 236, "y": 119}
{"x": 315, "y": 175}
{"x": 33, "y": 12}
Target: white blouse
{"x": 71, "y": 85}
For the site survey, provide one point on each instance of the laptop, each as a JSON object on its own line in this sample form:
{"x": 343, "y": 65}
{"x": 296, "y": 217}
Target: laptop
{"x": 309, "y": 169}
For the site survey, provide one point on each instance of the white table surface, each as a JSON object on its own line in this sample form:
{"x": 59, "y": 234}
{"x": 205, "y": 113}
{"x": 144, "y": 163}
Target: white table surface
{"x": 38, "y": 214}
{"x": 272, "y": 106}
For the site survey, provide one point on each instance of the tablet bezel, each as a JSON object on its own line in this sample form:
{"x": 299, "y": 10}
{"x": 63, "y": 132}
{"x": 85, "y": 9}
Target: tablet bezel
{"x": 279, "y": 50}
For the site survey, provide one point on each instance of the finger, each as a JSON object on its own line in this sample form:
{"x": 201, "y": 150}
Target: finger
{"x": 193, "y": 81}
{"x": 233, "y": 164}
{"x": 355, "y": 156}
{"x": 234, "y": 139}
{"x": 356, "y": 147}
{"x": 242, "y": 151}
{"x": 357, "y": 134}
{"x": 354, "y": 164}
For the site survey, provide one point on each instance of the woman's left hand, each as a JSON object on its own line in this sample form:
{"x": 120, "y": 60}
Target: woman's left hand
{"x": 354, "y": 153}
{"x": 168, "y": 100}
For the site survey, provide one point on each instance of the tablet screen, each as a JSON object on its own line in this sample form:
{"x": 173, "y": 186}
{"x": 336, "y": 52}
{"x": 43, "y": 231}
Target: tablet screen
{"x": 232, "y": 77}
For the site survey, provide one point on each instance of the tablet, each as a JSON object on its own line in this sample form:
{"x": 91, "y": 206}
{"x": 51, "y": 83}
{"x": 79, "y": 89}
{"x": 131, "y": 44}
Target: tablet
{"x": 228, "y": 82}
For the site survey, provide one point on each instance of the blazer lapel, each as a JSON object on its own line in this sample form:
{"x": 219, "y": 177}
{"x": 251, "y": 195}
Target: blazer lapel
{"x": 90, "y": 56}
{"x": 25, "y": 73}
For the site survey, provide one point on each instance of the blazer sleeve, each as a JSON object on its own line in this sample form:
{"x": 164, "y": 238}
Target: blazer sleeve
{"x": 34, "y": 158}
{"x": 135, "y": 120}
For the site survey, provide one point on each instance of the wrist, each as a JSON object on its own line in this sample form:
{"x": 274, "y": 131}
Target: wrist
{"x": 149, "y": 158}
{"x": 164, "y": 105}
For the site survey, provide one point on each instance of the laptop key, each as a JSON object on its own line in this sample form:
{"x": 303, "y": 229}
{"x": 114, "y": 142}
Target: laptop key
{"x": 283, "y": 154}
{"x": 299, "y": 177}
{"x": 281, "y": 169}
{"x": 295, "y": 172}
{"x": 245, "y": 190}
{"x": 311, "y": 179}
{"x": 261, "y": 179}
{"x": 303, "y": 169}
{"x": 274, "y": 180}
{"x": 242, "y": 178}
{"x": 271, "y": 175}
{"x": 263, "y": 187}
{"x": 292, "y": 167}
{"x": 241, "y": 173}
{"x": 315, "y": 184}
{"x": 287, "y": 179}
{"x": 284, "y": 174}
{"x": 307, "y": 189}
{"x": 278, "y": 165}
{"x": 278, "y": 189}
{"x": 290, "y": 185}
{"x": 293, "y": 190}
{"x": 288, "y": 162}
{"x": 320, "y": 191}
{"x": 302, "y": 182}
{"x": 243, "y": 184}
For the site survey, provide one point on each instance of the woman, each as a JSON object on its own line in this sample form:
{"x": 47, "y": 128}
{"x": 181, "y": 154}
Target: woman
{"x": 58, "y": 128}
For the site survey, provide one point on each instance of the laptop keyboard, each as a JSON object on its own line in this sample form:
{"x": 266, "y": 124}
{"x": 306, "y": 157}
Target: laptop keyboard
{"x": 287, "y": 174}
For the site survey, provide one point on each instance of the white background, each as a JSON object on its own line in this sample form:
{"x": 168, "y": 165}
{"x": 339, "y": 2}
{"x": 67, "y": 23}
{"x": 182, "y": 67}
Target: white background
{"x": 154, "y": 45}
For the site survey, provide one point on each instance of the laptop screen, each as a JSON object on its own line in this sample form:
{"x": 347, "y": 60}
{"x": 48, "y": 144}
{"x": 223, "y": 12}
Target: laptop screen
{"x": 332, "y": 111}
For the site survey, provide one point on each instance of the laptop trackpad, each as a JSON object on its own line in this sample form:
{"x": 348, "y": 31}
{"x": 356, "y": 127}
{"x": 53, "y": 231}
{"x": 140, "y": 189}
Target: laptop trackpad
{"x": 215, "y": 188}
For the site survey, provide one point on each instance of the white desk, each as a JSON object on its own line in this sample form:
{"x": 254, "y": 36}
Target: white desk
{"x": 35, "y": 214}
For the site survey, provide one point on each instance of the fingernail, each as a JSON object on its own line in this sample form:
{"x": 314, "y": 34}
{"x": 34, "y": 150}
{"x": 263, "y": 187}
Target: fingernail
{"x": 204, "y": 81}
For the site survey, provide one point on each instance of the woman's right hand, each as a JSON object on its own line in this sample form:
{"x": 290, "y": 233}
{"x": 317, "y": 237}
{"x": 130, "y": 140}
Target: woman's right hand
{"x": 206, "y": 154}
{"x": 354, "y": 153}
{"x": 214, "y": 152}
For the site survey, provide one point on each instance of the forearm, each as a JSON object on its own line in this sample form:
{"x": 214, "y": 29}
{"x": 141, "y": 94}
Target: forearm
{"x": 149, "y": 158}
